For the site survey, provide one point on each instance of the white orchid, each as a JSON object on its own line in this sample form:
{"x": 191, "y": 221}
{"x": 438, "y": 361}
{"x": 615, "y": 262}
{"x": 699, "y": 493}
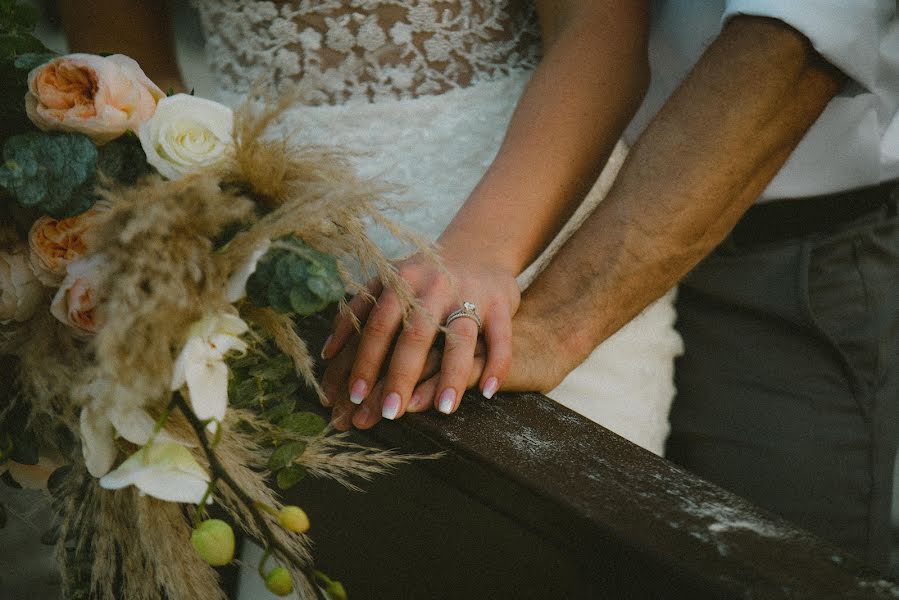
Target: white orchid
{"x": 201, "y": 364}
{"x": 164, "y": 470}
{"x": 236, "y": 287}
{"x": 111, "y": 411}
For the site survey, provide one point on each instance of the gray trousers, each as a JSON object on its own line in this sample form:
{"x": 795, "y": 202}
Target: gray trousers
{"x": 788, "y": 390}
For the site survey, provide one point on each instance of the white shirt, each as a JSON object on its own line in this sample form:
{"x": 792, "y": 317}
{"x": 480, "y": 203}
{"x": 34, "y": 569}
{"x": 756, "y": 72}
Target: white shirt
{"x": 855, "y": 141}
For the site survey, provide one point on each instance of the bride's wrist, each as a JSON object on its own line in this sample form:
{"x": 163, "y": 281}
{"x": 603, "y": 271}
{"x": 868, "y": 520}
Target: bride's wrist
{"x": 462, "y": 250}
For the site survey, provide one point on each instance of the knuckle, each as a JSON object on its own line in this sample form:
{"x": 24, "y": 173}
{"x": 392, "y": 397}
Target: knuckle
{"x": 379, "y": 326}
{"x": 462, "y": 340}
{"x": 418, "y": 335}
{"x": 455, "y": 373}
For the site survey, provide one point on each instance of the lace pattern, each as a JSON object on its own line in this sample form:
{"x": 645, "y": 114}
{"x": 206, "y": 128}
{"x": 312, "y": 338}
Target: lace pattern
{"x": 367, "y": 50}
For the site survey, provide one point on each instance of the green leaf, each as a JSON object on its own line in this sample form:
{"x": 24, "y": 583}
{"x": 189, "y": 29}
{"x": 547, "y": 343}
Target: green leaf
{"x": 285, "y": 454}
{"x": 15, "y": 44}
{"x": 9, "y": 481}
{"x": 303, "y": 423}
{"x": 279, "y": 411}
{"x": 243, "y": 393}
{"x": 15, "y": 16}
{"x": 32, "y": 60}
{"x": 290, "y": 476}
{"x": 274, "y": 369}
{"x": 56, "y": 481}
{"x": 24, "y": 447}
{"x": 301, "y": 281}
{"x": 303, "y": 302}
{"x": 50, "y": 171}
{"x": 123, "y": 160}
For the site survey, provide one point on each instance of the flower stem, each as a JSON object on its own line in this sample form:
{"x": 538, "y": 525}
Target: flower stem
{"x": 220, "y": 473}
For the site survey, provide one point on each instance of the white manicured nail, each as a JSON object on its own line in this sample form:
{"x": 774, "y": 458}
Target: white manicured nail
{"x": 447, "y": 401}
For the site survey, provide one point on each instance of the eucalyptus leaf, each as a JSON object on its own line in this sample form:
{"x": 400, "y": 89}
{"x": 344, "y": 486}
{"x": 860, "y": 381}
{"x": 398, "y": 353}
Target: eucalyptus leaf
{"x": 50, "y": 171}
{"x": 285, "y": 454}
{"x": 32, "y": 60}
{"x": 123, "y": 160}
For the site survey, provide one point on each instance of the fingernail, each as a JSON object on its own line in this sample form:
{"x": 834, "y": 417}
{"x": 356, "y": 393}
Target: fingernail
{"x": 490, "y": 387}
{"x": 358, "y": 391}
{"x": 325, "y": 354}
{"x": 414, "y": 402}
{"x": 361, "y": 416}
{"x": 391, "y": 406}
{"x": 446, "y": 401}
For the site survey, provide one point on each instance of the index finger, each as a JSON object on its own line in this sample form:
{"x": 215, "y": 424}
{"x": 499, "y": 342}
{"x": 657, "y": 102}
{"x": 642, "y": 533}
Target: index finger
{"x": 344, "y": 324}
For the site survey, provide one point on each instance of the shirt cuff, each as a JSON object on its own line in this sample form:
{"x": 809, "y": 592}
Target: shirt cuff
{"x": 846, "y": 34}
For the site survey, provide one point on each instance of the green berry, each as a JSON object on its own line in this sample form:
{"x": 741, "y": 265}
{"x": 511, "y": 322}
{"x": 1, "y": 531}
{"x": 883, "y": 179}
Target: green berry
{"x": 214, "y": 542}
{"x": 294, "y": 519}
{"x": 278, "y": 581}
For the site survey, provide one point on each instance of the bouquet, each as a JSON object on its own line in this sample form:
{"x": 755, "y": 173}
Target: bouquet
{"x": 156, "y": 251}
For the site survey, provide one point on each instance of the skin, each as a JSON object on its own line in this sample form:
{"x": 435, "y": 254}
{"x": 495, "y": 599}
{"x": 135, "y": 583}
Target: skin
{"x": 141, "y": 30}
{"x": 701, "y": 163}
{"x": 583, "y": 93}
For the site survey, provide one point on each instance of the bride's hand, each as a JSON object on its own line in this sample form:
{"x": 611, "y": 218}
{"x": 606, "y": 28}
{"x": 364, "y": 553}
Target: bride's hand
{"x": 539, "y": 364}
{"x": 439, "y": 291}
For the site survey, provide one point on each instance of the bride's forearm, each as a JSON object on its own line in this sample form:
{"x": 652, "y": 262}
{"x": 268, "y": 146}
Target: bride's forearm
{"x": 142, "y": 30}
{"x": 568, "y": 120}
{"x": 703, "y": 160}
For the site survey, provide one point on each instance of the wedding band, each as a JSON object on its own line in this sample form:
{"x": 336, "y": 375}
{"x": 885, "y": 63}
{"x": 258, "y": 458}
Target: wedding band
{"x": 468, "y": 311}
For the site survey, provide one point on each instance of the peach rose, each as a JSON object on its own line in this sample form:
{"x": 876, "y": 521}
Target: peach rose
{"x": 20, "y": 291}
{"x": 76, "y": 300}
{"x": 101, "y": 97}
{"x": 54, "y": 243}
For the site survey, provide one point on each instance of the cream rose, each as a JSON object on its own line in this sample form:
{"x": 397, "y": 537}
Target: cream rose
{"x": 75, "y": 303}
{"x": 56, "y": 243}
{"x": 20, "y": 289}
{"x": 187, "y": 134}
{"x": 101, "y": 97}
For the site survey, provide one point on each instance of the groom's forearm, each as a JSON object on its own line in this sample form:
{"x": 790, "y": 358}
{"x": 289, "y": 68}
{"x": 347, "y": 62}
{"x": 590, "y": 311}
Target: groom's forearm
{"x": 703, "y": 160}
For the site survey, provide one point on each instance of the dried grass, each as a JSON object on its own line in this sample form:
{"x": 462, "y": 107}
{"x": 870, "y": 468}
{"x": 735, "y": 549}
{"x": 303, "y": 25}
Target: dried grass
{"x": 162, "y": 272}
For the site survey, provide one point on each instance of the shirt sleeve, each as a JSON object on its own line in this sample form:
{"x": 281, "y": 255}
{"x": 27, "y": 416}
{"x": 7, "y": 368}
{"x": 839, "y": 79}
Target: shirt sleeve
{"x": 847, "y": 34}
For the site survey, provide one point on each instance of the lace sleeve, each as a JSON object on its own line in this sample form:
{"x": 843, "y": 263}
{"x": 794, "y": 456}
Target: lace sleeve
{"x": 367, "y": 49}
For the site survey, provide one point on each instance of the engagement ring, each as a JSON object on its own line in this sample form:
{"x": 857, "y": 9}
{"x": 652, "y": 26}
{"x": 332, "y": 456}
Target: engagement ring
{"x": 468, "y": 310}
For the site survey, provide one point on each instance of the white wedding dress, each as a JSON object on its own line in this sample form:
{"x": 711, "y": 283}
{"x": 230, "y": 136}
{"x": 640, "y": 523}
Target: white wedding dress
{"x": 426, "y": 89}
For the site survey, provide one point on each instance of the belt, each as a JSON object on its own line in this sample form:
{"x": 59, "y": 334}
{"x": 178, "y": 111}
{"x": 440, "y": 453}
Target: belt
{"x": 788, "y": 219}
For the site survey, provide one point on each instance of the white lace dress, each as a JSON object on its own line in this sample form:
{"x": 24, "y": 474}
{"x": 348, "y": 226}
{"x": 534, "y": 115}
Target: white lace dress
{"x": 426, "y": 89}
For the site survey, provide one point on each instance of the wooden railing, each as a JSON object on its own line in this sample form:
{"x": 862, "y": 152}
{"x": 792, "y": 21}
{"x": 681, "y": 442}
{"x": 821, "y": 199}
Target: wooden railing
{"x": 533, "y": 500}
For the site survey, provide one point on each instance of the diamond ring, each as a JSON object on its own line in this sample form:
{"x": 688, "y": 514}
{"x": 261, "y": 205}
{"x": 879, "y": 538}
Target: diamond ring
{"x": 468, "y": 311}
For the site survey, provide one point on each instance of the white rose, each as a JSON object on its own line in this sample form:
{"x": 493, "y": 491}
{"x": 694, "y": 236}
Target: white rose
{"x": 187, "y": 134}
{"x": 20, "y": 289}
